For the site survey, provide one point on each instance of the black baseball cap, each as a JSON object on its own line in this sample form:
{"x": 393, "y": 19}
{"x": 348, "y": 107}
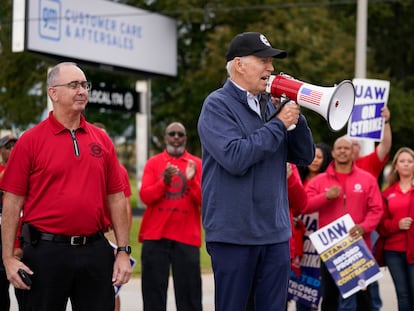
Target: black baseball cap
{"x": 252, "y": 43}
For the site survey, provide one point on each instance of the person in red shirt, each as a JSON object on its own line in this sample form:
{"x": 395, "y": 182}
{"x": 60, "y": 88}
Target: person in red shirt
{"x": 398, "y": 228}
{"x": 343, "y": 189}
{"x": 62, "y": 175}
{"x": 171, "y": 225}
{"x": 323, "y": 157}
{"x": 109, "y": 234}
{"x": 297, "y": 201}
{"x": 374, "y": 163}
{"x": 6, "y": 145}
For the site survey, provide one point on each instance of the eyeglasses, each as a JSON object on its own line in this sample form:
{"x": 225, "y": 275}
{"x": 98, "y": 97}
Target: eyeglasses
{"x": 172, "y": 134}
{"x": 87, "y": 85}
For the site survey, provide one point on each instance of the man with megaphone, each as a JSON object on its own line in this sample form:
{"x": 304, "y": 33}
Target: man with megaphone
{"x": 245, "y": 147}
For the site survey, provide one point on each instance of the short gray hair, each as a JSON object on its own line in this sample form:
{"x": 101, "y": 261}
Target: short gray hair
{"x": 54, "y": 72}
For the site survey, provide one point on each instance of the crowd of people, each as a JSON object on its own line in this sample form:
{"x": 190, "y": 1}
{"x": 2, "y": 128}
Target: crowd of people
{"x": 258, "y": 191}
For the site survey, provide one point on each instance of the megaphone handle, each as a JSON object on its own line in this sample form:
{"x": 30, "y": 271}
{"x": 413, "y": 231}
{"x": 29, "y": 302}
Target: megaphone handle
{"x": 284, "y": 101}
{"x": 292, "y": 127}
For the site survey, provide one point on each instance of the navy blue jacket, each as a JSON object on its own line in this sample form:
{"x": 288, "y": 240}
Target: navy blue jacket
{"x": 244, "y": 186}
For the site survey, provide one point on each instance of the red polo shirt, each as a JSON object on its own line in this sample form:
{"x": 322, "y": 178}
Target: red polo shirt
{"x": 65, "y": 177}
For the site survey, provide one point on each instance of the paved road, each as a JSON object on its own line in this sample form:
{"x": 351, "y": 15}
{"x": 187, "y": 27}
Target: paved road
{"x": 131, "y": 295}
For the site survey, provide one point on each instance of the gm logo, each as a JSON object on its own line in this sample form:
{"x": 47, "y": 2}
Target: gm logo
{"x": 50, "y": 19}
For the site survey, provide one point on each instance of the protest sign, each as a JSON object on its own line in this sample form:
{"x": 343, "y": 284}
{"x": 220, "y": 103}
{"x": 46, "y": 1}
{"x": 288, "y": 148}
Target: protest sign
{"x": 306, "y": 287}
{"x": 349, "y": 261}
{"x": 370, "y": 97}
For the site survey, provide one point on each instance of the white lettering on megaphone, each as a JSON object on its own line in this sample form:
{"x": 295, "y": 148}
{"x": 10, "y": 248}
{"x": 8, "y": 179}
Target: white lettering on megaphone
{"x": 365, "y": 126}
{"x": 363, "y": 91}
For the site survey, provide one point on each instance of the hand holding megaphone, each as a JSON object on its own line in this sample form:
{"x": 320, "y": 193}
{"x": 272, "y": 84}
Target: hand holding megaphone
{"x": 287, "y": 111}
{"x": 335, "y": 103}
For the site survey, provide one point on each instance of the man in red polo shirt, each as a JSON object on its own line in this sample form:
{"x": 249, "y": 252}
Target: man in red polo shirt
{"x": 63, "y": 174}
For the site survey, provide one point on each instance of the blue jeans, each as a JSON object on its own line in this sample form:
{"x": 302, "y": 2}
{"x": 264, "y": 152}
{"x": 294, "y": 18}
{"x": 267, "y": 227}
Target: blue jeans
{"x": 347, "y": 304}
{"x": 402, "y": 274}
{"x": 374, "y": 292}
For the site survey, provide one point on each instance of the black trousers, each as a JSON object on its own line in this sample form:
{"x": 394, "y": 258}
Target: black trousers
{"x": 4, "y": 290}
{"x": 330, "y": 292}
{"x": 157, "y": 258}
{"x": 82, "y": 274}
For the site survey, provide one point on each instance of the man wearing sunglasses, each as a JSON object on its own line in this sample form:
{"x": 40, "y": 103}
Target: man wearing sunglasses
{"x": 171, "y": 226}
{"x": 63, "y": 176}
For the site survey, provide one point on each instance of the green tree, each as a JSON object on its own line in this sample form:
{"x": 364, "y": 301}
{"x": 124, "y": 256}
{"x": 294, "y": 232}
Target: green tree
{"x": 391, "y": 57}
{"x": 317, "y": 42}
{"x": 22, "y": 77}
{"x": 318, "y": 35}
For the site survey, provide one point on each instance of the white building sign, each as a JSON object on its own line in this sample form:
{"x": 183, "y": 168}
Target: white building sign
{"x": 101, "y": 32}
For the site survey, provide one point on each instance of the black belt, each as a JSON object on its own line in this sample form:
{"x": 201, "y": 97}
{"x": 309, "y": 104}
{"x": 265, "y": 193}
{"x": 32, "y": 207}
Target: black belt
{"x": 75, "y": 240}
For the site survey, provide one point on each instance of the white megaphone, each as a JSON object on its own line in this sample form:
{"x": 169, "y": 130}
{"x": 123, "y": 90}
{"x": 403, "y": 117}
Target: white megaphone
{"x": 335, "y": 103}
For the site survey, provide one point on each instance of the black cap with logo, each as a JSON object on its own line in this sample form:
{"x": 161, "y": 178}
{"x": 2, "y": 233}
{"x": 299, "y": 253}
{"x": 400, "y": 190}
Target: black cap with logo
{"x": 252, "y": 43}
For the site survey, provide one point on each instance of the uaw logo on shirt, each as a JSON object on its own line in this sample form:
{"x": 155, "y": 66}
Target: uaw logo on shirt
{"x": 178, "y": 187}
{"x": 357, "y": 188}
{"x": 51, "y": 21}
{"x": 96, "y": 150}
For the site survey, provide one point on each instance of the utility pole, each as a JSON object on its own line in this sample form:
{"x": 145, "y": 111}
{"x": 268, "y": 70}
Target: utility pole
{"x": 143, "y": 128}
{"x": 361, "y": 56}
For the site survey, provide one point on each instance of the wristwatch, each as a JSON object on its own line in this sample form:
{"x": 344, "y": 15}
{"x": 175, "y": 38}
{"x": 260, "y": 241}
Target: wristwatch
{"x": 127, "y": 249}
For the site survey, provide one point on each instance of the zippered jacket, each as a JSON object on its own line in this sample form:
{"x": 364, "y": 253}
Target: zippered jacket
{"x": 360, "y": 197}
{"x": 398, "y": 205}
{"x": 244, "y": 187}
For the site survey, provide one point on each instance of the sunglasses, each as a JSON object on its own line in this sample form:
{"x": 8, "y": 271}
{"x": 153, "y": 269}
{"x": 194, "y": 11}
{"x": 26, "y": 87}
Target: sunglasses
{"x": 179, "y": 134}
